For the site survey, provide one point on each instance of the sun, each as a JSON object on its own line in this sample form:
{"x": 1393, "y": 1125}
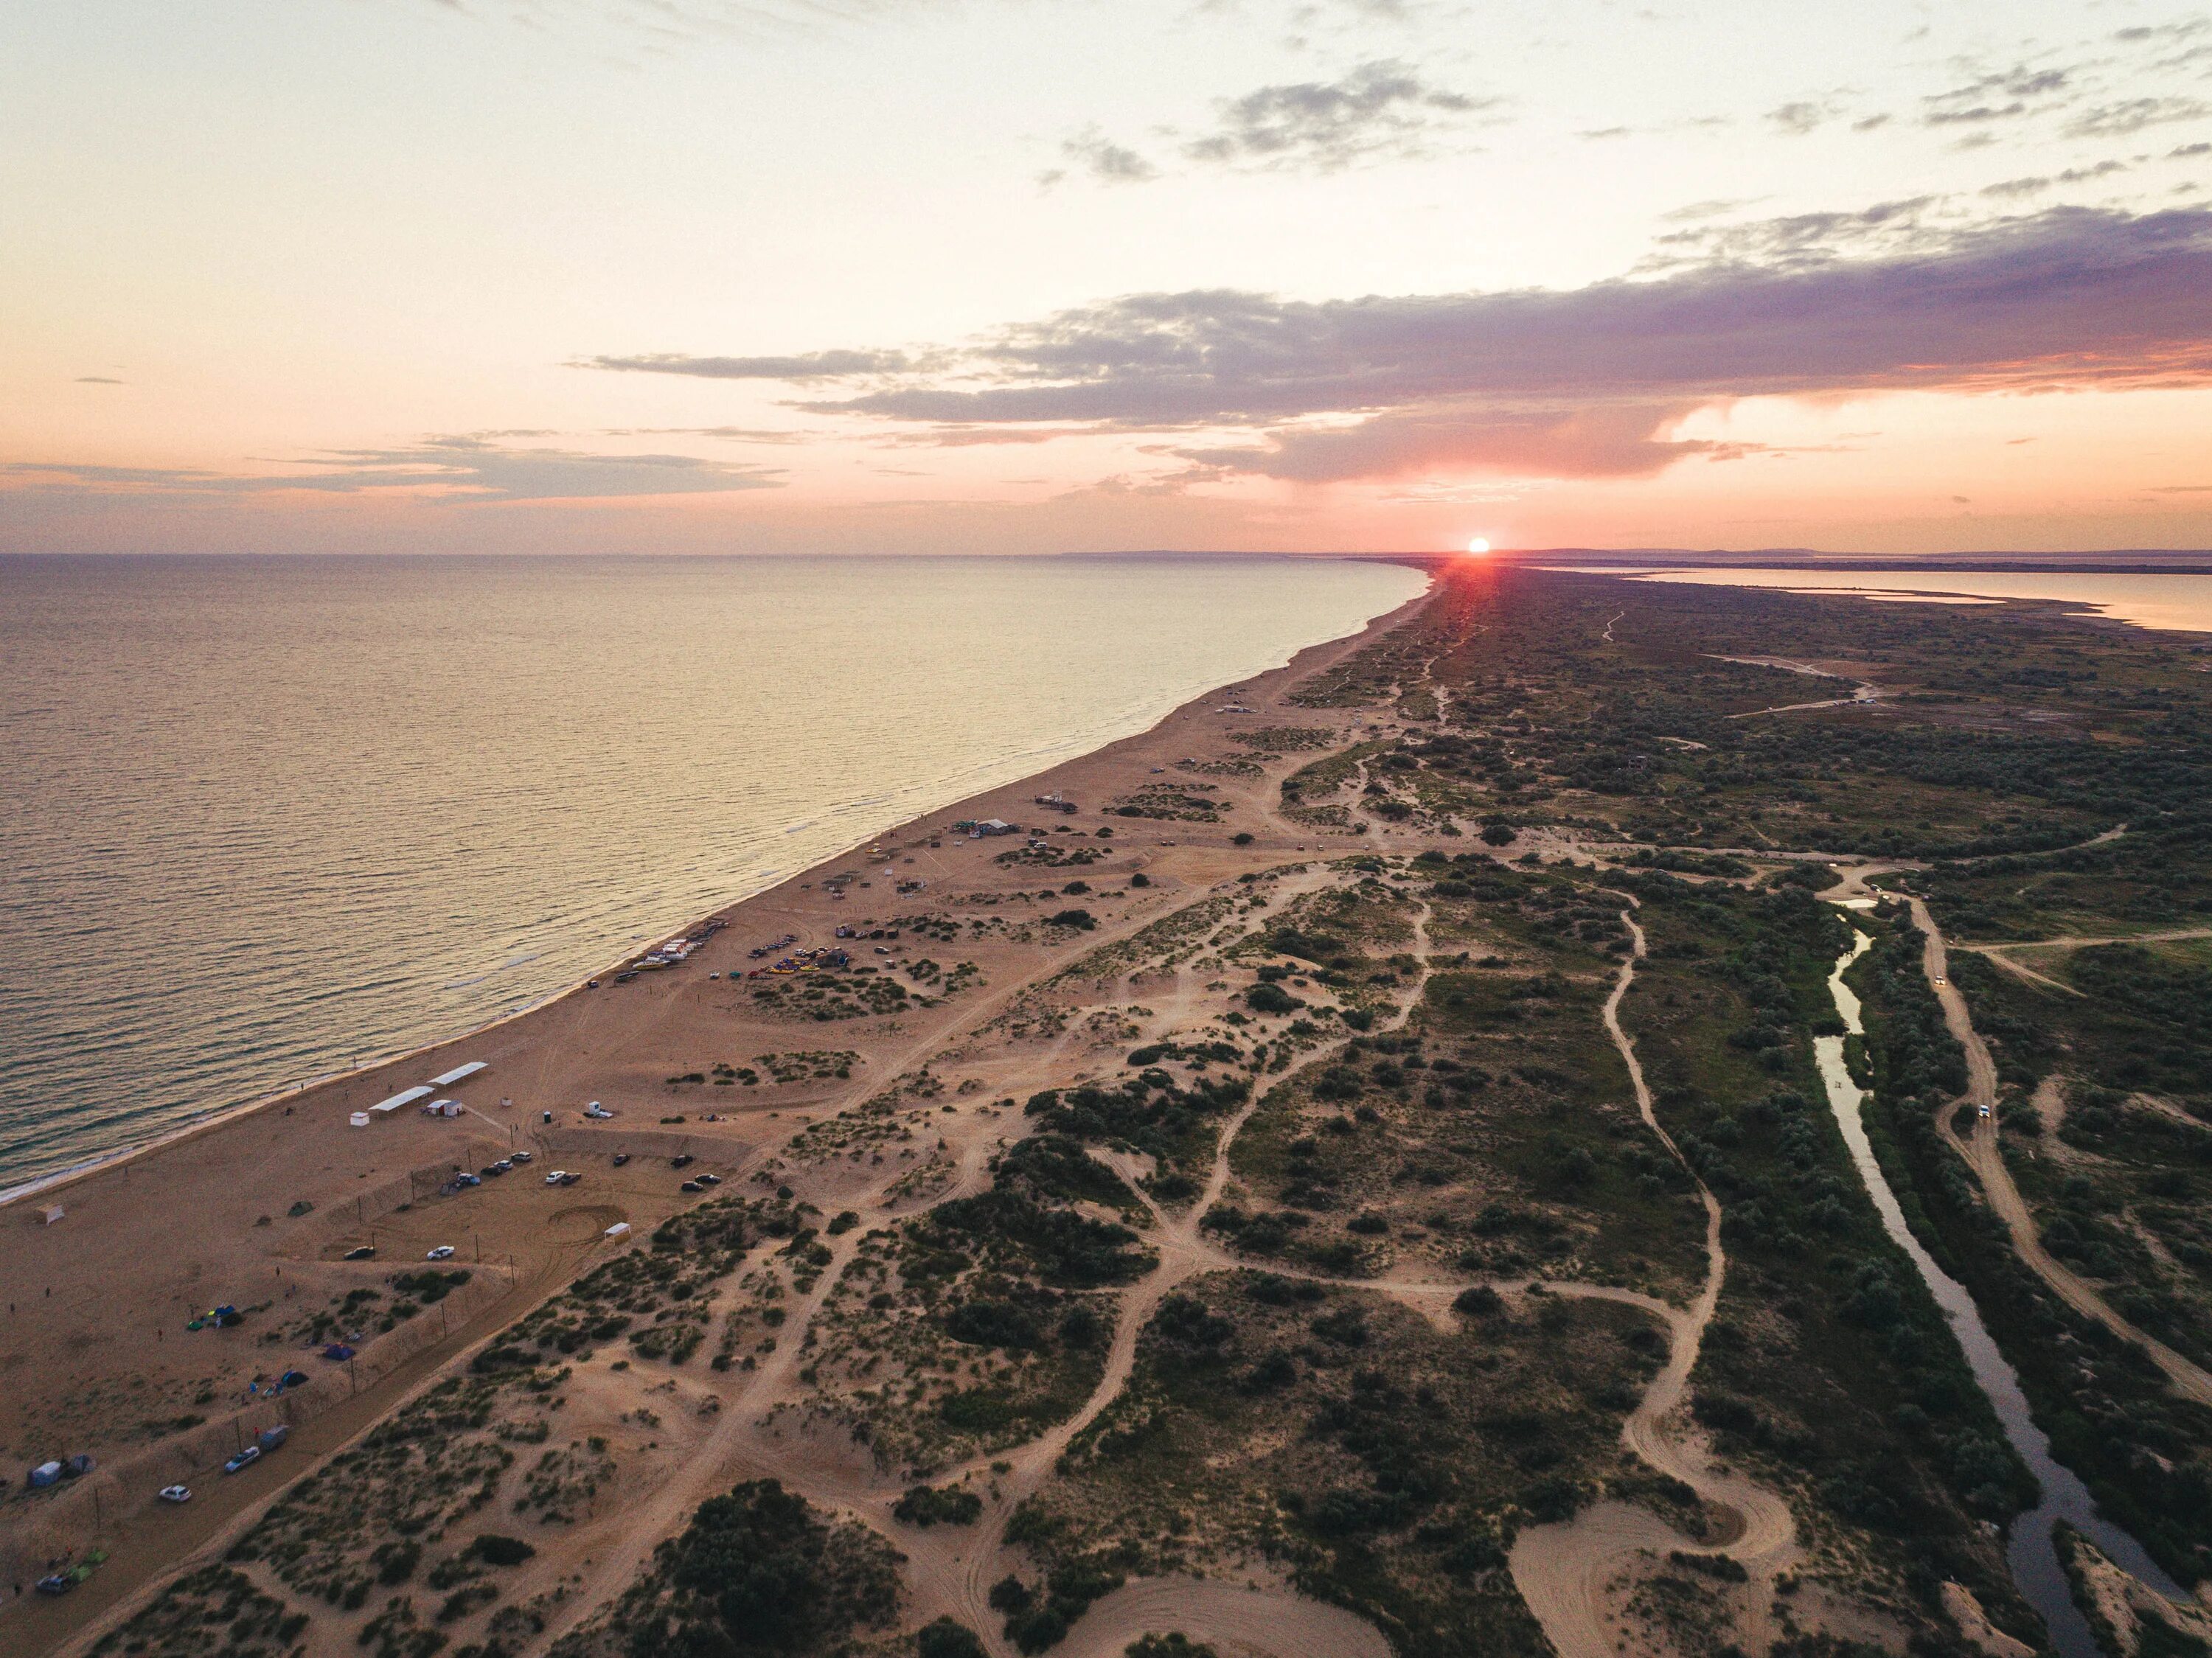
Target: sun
{"x": 1478, "y": 547}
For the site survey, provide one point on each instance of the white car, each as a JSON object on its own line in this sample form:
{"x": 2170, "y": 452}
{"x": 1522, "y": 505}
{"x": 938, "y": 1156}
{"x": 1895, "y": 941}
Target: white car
{"x": 1943, "y": 981}
{"x": 556, "y": 1177}
{"x": 176, "y": 1493}
{"x": 443, "y": 1252}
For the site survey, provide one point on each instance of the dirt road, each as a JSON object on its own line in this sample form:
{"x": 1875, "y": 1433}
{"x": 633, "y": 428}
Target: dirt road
{"x": 1979, "y": 1147}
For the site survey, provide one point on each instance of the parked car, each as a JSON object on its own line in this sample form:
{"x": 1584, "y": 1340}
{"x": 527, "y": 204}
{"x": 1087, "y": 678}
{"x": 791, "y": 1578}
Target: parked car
{"x": 569, "y": 1177}
{"x": 468, "y": 1180}
{"x": 556, "y": 1176}
{"x": 59, "y": 1584}
{"x": 681, "y": 1160}
{"x": 708, "y": 1180}
{"x": 176, "y": 1493}
{"x": 361, "y": 1252}
{"x": 621, "y": 1158}
{"x": 443, "y": 1252}
{"x": 245, "y": 1459}
{"x": 522, "y": 1157}
{"x": 591, "y": 983}
{"x": 690, "y": 1186}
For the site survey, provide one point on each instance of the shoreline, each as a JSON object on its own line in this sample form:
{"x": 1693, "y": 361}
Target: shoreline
{"x": 215, "y": 1117}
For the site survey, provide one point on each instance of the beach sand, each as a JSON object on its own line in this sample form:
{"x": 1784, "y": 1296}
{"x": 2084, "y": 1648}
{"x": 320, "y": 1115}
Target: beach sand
{"x": 257, "y": 1209}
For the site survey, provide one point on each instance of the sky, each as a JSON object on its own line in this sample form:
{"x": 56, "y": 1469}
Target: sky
{"x": 1039, "y": 276}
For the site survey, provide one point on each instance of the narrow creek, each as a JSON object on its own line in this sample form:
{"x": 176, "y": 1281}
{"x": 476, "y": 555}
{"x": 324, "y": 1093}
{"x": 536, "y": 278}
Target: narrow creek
{"x": 2032, "y": 1552}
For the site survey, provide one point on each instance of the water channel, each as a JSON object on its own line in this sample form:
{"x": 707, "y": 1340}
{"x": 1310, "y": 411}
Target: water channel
{"x": 2033, "y": 1553}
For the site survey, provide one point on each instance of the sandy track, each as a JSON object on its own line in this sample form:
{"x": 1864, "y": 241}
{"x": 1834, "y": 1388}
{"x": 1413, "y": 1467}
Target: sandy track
{"x": 1566, "y": 1571}
{"x": 1237, "y": 1622}
{"x": 950, "y": 1569}
{"x": 1979, "y": 1147}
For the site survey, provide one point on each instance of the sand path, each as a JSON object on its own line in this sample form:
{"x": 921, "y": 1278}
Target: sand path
{"x": 950, "y": 1569}
{"x": 1566, "y": 1571}
{"x": 1979, "y": 1147}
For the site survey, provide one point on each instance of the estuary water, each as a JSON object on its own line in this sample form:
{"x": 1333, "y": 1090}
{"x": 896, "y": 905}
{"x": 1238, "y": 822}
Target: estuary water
{"x": 2031, "y": 1551}
{"x": 2164, "y": 599}
{"x": 264, "y": 817}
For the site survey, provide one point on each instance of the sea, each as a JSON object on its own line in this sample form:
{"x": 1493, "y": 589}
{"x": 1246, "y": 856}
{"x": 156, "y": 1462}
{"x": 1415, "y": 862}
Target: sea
{"x": 266, "y": 818}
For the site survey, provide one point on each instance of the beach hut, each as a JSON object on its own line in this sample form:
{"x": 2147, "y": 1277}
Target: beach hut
{"x": 359, "y": 1119}
{"x": 619, "y": 1229}
{"x": 51, "y": 1213}
{"x": 459, "y": 1073}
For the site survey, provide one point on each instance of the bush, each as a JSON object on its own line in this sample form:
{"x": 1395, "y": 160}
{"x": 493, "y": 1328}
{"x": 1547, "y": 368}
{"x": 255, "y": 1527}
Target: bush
{"x": 925, "y": 1506}
{"x": 988, "y": 1322}
{"x": 1270, "y": 999}
{"x": 1498, "y": 834}
{"x": 496, "y": 1550}
{"x": 1082, "y": 920}
{"x": 946, "y": 1639}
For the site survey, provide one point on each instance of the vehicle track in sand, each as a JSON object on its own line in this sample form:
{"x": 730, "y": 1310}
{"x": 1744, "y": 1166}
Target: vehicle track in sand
{"x": 1566, "y": 1571}
{"x": 1980, "y": 1149}
{"x": 950, "y": 1569}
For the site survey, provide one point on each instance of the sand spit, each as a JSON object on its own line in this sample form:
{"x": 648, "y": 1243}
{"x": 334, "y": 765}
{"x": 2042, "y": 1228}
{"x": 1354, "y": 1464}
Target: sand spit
{"x": 259, "y": 1210}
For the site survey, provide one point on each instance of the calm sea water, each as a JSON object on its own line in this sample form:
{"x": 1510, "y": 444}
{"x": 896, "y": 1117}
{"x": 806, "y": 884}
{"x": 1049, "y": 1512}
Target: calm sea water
{"x": 264, "y": 817}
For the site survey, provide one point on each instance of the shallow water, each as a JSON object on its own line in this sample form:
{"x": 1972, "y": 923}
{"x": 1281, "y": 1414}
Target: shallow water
{"x": 264, "y": 817}
{"x": 2180, "y": 603}
{"x": 2031, "y": 1551}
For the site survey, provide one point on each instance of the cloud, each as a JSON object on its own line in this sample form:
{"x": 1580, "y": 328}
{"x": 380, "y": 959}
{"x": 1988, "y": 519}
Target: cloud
{"x": 1691, "y": 212}
{"x": 98, "y": 379}
{"x": 1609, "y": 441}
{"x": 2012, "y": 189}
{"x": 1589, "y": 382}
{"x": 1799, "y": 237}
{"x": 733, "y": 433}
{"x": 968, "y": 437}
{"x": 2121, "y": 119}
{"x": 1799, "y": 118}
{"x": 809, "y": 365}
{"x": 1109, "y": 163}
{"x": 1383, "y": 108}
{"x": 1996, "y": 97}
{"x": 463, "y": 468}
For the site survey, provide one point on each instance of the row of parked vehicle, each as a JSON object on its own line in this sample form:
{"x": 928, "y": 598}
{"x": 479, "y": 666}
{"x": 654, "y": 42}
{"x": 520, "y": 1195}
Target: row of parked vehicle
{"x": 47, "y": 1474}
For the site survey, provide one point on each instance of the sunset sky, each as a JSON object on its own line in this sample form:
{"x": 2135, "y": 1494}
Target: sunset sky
{"x": 1056, "y": 275}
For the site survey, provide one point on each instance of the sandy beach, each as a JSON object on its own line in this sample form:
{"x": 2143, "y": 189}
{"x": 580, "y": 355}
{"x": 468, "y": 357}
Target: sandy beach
{"x": 259, "y": 1210}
